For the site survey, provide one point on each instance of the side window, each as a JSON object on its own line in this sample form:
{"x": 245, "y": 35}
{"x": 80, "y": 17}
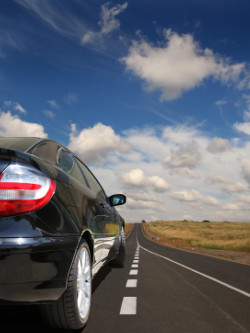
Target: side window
{"x": 92, "y": 181}
{"x": 46, "y": 150}
{"x": 67, "y": 162}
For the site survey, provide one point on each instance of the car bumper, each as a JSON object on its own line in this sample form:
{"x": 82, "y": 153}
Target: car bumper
{"x": 35, "y": 269}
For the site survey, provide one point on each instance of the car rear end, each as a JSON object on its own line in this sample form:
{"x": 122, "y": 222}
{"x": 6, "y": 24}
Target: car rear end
{"x": 34, "y": 258}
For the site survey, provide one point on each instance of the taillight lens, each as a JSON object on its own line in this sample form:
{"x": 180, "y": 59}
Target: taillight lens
{"x": 23, "y": 189}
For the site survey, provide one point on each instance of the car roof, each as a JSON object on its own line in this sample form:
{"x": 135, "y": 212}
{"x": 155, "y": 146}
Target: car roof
{"x": 21, "y": 144}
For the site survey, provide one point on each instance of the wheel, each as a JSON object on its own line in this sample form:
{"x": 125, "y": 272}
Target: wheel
{"x": 71, "y": 311}
{"x": 119, "y": 260}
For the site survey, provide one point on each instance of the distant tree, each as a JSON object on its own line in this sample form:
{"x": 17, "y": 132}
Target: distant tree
{"x": 206, "y": 221}
{"x": 143, "y": 221}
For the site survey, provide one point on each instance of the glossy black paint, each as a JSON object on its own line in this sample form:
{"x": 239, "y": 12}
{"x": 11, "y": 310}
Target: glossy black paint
{"x": 37, "y": 248}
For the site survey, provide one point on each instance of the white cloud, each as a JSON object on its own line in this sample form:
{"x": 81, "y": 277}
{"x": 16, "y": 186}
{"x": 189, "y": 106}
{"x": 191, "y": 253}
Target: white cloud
{"x": 246, "y": 169}
{"x": 95, "y": 144}
{"x": 185, "y": 172}
{"x": 221, "y": 102}
{"x": 53, "y": 104}
{"x": 71, "y": 98}
{"x": 19, "y": 108}
{"x": 143, "y": 205}
{"x": 217, "y": 180}
{"x": 59, "y": 18}
{"x": 247, "y": 116}
{"x": 178, "y": 66}
{"x": 218, "y": 145}
{"x": 49, "y": 114}
{"x": 231, "y": 207}
{"x": 227, "y": 185}
{"x": 107, "y": 23}
{"x": 13, "y": 126}
{"x": 243, "y": 127}
{"x": 194, "y": 196}
{"x": 190, "y": 195}
{"x": 201, "y": 180}
{"x": 237, "y": 187}
{"x": 187, "y": 156}
{"x": 15, "y": 106}
{"x": 244, "y": 198}
{"x": 136, "y": 178}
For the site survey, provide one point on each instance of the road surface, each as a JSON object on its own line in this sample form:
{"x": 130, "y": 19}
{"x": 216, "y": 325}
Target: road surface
{"x": 160, "y": 290}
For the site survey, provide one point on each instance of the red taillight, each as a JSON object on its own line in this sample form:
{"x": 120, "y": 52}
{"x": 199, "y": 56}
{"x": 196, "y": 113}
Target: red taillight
{"x": 23, "y": 189}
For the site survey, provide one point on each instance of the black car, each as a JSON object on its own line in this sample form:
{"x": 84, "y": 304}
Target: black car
{"x": 57, "y": 229}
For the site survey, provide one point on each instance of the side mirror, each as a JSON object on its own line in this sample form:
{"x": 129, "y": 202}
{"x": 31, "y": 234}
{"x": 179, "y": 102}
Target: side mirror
{"x": 117, "y": 199}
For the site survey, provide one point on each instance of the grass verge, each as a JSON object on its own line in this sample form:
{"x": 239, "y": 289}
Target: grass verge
{"x": 233, "y": 236}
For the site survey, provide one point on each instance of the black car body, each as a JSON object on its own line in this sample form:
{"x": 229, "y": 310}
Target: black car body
{"x": 50, "y": 206}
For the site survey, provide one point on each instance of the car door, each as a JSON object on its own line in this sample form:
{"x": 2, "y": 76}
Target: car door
{"x": 106, "y": 224}
{"x": 83, "y": 201}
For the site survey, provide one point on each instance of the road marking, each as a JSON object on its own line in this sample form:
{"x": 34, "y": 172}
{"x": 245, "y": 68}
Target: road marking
{"x": 133, "y": 272}
{"x": 199, "y": 273}
{"x": 128, "y": 306}
{"x": 131, "y": 283}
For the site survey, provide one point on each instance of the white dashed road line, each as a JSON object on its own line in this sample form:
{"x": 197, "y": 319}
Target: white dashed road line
{"x": 131, "y": 283}
{"x": 129, "y": 304}
{"x": 133, "y": 272}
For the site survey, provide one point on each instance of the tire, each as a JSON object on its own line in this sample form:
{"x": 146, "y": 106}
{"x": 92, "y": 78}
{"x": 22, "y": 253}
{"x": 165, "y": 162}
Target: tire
{"x": 119, "y": 260}
{"x": 71, "y": 311}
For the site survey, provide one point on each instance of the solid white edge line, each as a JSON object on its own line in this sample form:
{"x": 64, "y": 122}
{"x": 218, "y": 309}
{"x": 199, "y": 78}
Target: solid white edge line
{"x": 199, "y": 273}
{"x": 128, "y": 306}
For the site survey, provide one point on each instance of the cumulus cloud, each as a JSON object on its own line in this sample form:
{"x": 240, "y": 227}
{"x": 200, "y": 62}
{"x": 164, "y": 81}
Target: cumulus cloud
{"x": 178, "y": 66}
{"x": 217, "y": 179}
{"x": 191, "y": 195}
{"x": 237, "y": 187}
{"x": 95, "y": 144}
{"x": 186, "y": 156}
{"x": 136, "y": 178}
{"x": 227, "y": 185}
{"x": 185, "y": 172}
{"x": 108, "y": 22}
{"x": 142, "y": 205}
{"x": 13, "y": 126}
{"x": 194, "y": 196}
{"x": 218, "y": 145}
{"x": 243, "y": 127}
{"x": 135, "y": 168}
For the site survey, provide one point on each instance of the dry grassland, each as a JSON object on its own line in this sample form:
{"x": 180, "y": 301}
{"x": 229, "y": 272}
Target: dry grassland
{"x": 128, "y": 228}
{"x": 233, "y": 236}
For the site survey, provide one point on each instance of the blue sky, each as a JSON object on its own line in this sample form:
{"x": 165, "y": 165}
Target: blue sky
{"x": 153, "y": 95}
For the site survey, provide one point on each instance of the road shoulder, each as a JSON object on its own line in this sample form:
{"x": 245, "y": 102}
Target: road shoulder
{"x": 234, "y": 256}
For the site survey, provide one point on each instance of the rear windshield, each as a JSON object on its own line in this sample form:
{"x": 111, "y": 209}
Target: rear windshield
{"x": 20, "y": 144}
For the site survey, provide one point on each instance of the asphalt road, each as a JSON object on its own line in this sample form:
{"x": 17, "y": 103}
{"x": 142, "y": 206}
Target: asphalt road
{"x": 160, "y": 290}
